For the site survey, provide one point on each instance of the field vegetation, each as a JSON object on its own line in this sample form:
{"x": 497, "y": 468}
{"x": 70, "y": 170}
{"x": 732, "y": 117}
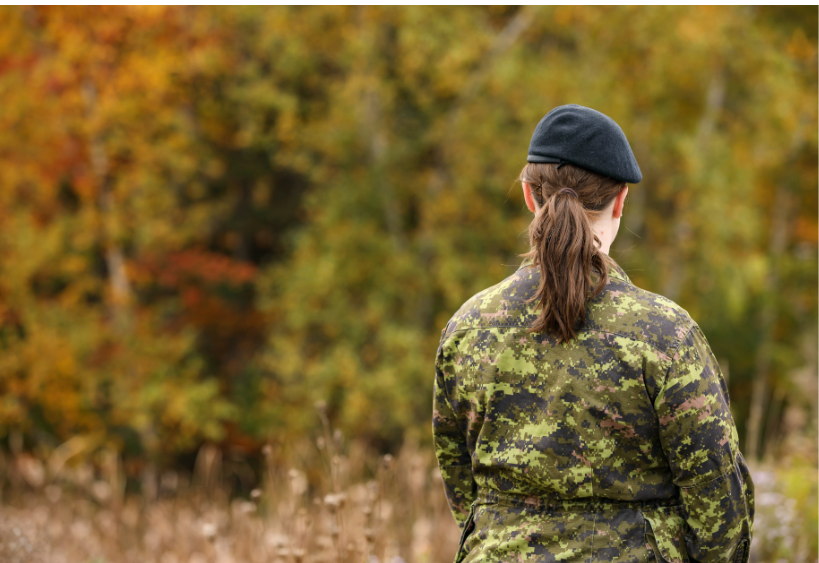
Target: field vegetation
{"x": 341, "y": 504}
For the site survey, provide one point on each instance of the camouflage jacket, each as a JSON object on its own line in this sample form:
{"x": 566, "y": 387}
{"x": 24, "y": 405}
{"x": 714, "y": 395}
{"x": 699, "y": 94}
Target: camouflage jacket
{"x": 618, "y": 445}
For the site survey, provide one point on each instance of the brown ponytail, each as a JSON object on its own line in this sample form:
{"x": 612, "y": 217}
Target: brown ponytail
{"x": 564, "y": 245}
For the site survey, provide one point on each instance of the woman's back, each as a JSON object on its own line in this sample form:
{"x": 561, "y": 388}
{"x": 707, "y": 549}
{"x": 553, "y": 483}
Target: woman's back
{"x": 576, "y": 416}
{"x": 578, "y": 451}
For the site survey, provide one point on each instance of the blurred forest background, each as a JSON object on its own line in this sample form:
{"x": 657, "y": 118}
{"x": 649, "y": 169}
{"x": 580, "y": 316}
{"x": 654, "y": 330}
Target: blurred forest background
{"x": 231, "y": 237}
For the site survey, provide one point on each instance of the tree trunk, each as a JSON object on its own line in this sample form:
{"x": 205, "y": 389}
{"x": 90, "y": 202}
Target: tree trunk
{"x": 114, "y": 258}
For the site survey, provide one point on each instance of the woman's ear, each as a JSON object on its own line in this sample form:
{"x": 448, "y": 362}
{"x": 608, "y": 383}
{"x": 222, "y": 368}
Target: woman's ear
{"x": 527, "y": 196}
{"x": 619, "y": 203}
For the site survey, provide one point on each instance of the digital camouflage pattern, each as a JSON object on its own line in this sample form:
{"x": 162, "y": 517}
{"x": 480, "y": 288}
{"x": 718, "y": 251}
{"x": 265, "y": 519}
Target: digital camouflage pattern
{"x": 616, "y": 446}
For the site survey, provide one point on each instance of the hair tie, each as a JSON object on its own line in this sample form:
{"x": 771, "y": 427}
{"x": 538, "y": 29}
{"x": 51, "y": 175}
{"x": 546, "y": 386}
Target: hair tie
{"x": 568, "y": 191}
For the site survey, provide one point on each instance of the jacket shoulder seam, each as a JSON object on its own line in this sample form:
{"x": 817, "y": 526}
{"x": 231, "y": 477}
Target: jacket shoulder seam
{"x": 674, "y": 349}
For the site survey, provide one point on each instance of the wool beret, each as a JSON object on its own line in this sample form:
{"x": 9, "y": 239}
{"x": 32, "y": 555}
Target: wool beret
{"x": 586, "y": 138}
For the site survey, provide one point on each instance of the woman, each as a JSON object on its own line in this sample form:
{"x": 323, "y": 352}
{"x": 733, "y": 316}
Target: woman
{"x": 576, "y": 416}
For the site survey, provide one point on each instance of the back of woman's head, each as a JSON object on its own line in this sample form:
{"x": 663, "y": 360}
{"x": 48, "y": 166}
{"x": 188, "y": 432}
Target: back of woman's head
{"x": 564, "y": 245}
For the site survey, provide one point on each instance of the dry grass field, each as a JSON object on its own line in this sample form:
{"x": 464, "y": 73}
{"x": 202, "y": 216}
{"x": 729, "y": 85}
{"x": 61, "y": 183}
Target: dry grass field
{"x": 332, "y": 507}
{"x": 363, "y": 508}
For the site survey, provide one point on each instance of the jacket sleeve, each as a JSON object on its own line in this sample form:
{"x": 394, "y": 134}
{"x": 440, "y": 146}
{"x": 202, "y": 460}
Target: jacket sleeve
{"x": 451, "y": 448}
{"x": 700, "y": 441}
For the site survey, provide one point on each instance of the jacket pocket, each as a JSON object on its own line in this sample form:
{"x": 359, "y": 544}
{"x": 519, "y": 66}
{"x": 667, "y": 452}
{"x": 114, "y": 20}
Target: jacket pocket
{"x": 664, "y": 531}
{"x": 469, "y": 526}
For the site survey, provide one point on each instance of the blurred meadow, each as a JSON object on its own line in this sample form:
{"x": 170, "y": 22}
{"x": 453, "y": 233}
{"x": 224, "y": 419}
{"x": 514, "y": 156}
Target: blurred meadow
{"x": 230, "y": 237}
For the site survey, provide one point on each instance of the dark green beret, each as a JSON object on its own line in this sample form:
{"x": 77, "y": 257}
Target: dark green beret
{"x": 586, "y": 138}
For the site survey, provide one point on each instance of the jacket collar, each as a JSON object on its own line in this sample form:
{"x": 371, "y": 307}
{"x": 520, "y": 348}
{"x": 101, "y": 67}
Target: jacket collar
{"x": 615, "y": 271}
